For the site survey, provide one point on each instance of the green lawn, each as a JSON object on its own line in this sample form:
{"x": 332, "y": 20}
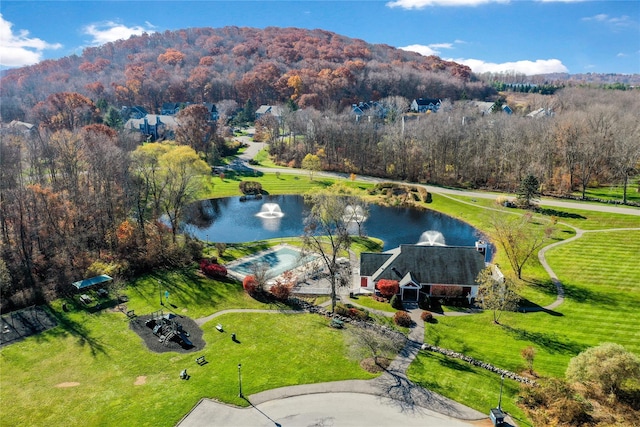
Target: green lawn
{"x": 476, "y": 387}
{"x": 600, "y": 272}
{"x": 614, "y": 192}
{"x": 368, "y": 302}
{"x": 273, "y": 183}
{"x": 105, "y": 358}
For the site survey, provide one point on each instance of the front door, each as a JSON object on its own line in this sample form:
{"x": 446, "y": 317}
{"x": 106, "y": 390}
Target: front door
{"x": 409, "y": 294}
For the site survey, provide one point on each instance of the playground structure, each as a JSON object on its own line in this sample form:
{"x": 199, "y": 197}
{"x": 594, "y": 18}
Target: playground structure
{"x": 167, "y": 329}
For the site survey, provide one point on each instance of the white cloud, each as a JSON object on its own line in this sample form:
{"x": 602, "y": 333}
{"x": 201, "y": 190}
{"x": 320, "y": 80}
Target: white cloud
{"x": 421, "y": 4}
{"x": 17, "y": 50}
{"x": 421, "y": 49}
{"x": 539, "y": 66}
{"x": 111, "y": 31}
{"x": 613, "y": 21}
{"x": 430, "y": 49}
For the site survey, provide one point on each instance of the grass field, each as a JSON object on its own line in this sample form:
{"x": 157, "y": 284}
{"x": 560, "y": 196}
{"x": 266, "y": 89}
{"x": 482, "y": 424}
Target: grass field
{"x": 600, "y": 274}
{"x": 273, "y": 183}
{"x": 98, "y": 351}
{"x": 96, "y": 371}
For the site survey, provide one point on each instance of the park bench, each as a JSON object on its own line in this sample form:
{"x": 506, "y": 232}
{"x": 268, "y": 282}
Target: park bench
{"x": 131, "y": 314}
{"x": 219, "y": 327}
{"x": 201, "y": 360}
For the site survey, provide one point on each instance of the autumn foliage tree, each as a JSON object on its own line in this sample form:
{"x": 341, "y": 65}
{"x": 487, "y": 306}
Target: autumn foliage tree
{"x": 250, "y": 284}
{"x": 66, "y": 110}
{"x": 195, "y": 130}
{"x": 388, "y": 287}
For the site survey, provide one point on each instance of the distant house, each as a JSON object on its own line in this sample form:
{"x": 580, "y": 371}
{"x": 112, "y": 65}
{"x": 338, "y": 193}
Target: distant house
{"x": 368, "y": 109}
{"x": 422, "y": 105}
{"x": 135, "y": 112}
{"x": 540, "y": 112}
{"x": 17, "y": 126}
{"x": 154, "y": 127}
{"x": 487, "y": 107}
{"x": 213, "y": 111}
{"x": 170, "y": 108}
{"x": 436, "y": 271}
{"x": 274, "y": 110}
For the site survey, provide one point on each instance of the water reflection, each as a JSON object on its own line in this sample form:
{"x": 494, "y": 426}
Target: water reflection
{"x": 231, "y": 220}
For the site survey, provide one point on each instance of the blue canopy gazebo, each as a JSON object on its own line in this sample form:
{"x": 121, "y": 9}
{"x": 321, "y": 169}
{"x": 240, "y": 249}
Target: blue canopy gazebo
{"x": 82, "y": 284}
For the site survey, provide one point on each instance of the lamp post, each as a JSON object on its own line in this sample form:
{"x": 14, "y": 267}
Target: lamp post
{"x": 240, "y": 379}
{"x": 160, "y": 292}
{"x": 500, "y": 399}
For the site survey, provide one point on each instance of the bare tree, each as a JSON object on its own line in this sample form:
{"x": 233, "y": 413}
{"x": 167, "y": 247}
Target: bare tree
{"x": 366, "y": 342}
{"x": 519, "y": 238}
{"x": 496, "y": 294}
{"x": 326, "y": 232}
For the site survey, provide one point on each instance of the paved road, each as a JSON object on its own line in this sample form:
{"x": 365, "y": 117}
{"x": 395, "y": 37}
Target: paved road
{"x": 317, "y": 410}
{"x": 254, "y": 148}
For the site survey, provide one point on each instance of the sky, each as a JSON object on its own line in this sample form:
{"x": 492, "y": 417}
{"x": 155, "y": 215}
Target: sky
{"x": 521, "y": 36}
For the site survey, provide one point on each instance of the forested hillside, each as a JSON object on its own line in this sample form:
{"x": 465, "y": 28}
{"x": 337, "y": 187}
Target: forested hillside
{"x": 80, "y": 195}
{"x": 314, "y": 67}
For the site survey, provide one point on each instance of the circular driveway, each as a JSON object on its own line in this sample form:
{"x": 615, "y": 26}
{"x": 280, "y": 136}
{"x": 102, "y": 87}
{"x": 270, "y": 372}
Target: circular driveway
{"x": 320, "y": 410}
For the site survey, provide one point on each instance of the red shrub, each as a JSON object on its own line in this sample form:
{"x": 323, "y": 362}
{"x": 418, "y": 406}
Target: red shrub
{"x": 250, "y": 285}
{"x": 213, "y": 270}
{"x": 388, "y": 288}
{"x": 280, "y": 291}
{"x": 402, "y": 318}
{"x": 447, "y": 291}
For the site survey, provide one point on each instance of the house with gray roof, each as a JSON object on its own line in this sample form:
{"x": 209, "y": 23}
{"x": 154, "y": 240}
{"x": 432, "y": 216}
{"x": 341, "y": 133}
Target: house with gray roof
{"x": 422, "y": 105}
{"x": 274, "y": 110}
{"x": 154, "y": 126}
{"x": 437, "y": 271}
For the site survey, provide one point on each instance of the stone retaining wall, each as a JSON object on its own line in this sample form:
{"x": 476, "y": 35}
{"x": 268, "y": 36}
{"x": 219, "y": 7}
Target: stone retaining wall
{"x": 474, "y": 362}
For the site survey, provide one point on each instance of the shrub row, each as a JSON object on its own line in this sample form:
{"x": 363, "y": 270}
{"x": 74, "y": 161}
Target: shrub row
{"x": 352, "y": 312}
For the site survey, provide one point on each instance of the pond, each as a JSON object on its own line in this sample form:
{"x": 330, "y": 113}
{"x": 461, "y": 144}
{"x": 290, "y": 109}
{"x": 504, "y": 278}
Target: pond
{"x": 232, "y": 220}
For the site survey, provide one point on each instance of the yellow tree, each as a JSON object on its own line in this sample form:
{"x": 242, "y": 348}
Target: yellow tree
{"x": 169, "y": 177}
{"x": 181, "y": 174}
{"x": 311, "y": 162}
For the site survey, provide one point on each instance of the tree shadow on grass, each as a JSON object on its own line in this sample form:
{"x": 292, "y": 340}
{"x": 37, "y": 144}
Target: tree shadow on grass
{"x": 547, "y": 287}
{"x": 551, "y": 342}
{"x": 582, "y": 294}
{"x": 527, "y": 306}
{"x": 559, "y": 214}
{"x": 78, "y": 330}
{"x": 413, "y": 397}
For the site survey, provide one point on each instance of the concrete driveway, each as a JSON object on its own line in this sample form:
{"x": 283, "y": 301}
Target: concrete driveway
{"x": 320, "y": 410}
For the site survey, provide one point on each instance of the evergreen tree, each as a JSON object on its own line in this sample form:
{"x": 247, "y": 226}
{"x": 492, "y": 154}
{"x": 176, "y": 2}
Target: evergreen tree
{"x": 528, "y": 191}
{"x": 113, "y": 119}
{"x": 249, "y": 111}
